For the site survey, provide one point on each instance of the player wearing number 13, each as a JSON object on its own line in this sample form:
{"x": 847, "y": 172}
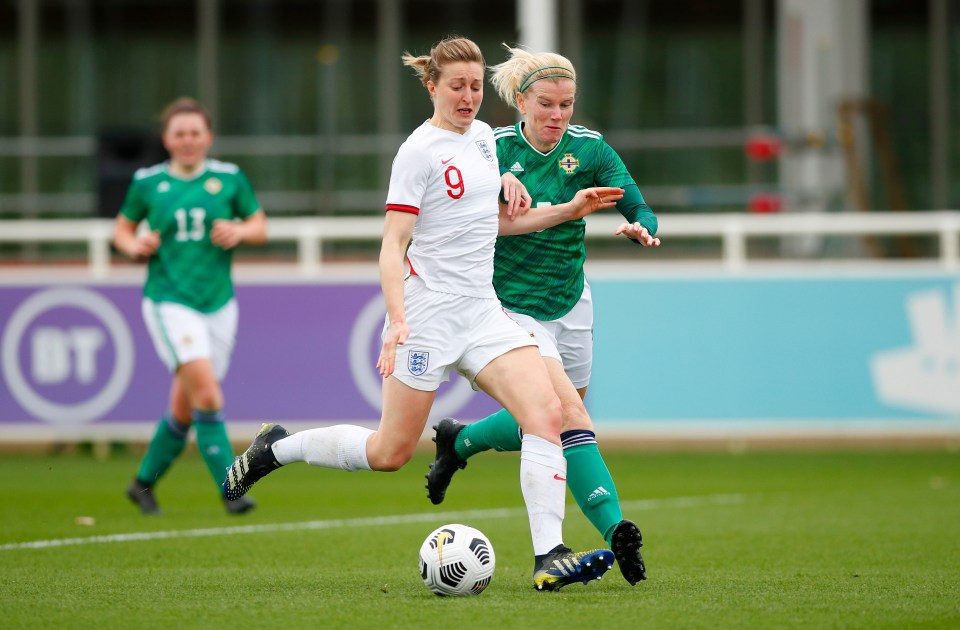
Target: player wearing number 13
{"x": 197, "y": 211}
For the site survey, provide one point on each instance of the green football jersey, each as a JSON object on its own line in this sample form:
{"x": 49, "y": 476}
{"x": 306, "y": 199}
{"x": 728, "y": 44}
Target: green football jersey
{"x": 188, "y": 268}
{"x": 541, "y": 274}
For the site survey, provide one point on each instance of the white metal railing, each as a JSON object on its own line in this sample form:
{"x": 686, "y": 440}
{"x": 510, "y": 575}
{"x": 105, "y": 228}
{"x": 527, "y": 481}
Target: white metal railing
{"x": 292, "y": 202}
{"x": 734, "y": 230}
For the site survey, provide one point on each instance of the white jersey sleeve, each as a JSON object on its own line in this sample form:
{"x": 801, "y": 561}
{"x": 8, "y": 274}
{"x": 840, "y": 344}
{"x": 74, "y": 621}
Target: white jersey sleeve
{"x": 408, "y": 178}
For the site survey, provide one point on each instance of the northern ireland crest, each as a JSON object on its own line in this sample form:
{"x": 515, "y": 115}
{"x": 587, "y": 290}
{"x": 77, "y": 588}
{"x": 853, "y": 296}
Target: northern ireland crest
{"x": 569, "y": 164}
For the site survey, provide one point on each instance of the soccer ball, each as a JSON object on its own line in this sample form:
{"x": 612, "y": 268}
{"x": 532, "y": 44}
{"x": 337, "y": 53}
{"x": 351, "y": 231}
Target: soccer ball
{"x": 457, "y": 560}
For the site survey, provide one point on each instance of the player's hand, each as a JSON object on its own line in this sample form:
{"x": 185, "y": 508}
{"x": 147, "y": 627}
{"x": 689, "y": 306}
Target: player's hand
{"x": 590, "y": 200}
{"x": 226, "y": 234}
{"x": 638, "y": 233}
{"x": 397, "y": 334}
{"x": 516, "y": 195}
{"x": 145, "y": 245}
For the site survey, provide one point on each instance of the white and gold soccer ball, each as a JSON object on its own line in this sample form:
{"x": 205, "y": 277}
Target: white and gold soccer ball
{"x": 457, "y": 560}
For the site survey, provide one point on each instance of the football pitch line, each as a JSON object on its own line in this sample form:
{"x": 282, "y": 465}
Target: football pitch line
{"x": 370, "y": 521}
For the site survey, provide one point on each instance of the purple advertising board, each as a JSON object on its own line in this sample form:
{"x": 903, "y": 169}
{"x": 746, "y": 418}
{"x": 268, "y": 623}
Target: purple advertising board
{"x": 767, "y": 355}
{"x": 79, "y": 356}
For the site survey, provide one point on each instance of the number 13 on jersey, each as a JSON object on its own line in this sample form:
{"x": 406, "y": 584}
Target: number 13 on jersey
{"x": 191, "y": 229}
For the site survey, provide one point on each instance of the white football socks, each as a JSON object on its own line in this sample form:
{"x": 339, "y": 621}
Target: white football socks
{"x": 342, "y": 446}
{"x": 543, "y": 474}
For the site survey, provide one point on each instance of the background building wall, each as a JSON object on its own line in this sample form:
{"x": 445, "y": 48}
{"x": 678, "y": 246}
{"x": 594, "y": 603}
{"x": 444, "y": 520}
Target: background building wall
{"x": 312, "y": 100}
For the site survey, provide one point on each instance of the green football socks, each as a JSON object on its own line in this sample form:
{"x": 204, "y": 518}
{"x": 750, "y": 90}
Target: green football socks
{"x": 590, "y": 482}
{"x": 498, "y": 431}
{"x": 213, "y": 443}
{"x": 588, "y": 477}
{"x": 168, "y": 441}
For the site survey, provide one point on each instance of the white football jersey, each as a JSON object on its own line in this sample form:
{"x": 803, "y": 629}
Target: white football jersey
{"x": 451, "y": 181}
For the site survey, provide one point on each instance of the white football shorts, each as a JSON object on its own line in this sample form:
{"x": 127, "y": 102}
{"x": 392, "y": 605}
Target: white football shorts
{"x": 450, "y": 332}
{"x": 181, "y": 334}
{"x": 568, "y": 339}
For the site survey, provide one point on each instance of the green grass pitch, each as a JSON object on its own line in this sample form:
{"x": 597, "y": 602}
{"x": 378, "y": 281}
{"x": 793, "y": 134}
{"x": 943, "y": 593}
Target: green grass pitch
{"x": 831, "y": 539}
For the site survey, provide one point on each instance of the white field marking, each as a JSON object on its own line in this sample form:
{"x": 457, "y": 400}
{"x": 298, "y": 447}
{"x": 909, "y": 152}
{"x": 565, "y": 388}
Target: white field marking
{"x": 370, "y": 521}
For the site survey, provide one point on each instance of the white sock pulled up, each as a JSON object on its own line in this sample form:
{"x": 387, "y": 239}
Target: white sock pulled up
{"x": 342, "y": 446}
{"x": 543, "y": 481}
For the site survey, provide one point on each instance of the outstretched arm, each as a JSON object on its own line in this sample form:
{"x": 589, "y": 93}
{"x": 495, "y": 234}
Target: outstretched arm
{"x": 585, "y": 202}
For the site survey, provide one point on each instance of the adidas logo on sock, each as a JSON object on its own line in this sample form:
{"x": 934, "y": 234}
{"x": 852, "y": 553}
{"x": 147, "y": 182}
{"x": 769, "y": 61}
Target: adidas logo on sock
{"x": 596, "y": 494}
{"x": 516, "y": 168}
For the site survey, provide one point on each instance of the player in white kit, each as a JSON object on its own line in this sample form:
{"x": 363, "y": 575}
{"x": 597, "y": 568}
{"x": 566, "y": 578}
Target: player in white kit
{"x": 436, "y": 273}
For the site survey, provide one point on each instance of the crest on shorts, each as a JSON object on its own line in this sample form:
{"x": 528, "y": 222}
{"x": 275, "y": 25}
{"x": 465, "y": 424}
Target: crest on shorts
{"x": 417, "y": 362}
{"x": 213, "y": 185}
{"x": 569, "y": 164}
{"x": 485, "y": 150}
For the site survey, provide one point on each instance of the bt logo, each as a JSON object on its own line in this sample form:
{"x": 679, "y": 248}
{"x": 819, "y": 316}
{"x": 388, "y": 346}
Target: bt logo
{"x": 58, "y": 354}
{"x": 66, "y": 369}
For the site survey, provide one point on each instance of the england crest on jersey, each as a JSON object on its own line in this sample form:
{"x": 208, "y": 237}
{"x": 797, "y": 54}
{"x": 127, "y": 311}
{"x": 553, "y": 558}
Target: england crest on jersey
{"x": 485, "y": 150}
{"x": 418, "y": 361}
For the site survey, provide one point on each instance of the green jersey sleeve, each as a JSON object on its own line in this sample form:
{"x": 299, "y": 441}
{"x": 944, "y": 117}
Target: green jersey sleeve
{"x": 611, "y": 171}
{"x": 245, "y": 202}
{"x": 135, "y": 206}
{"x": 635, "y": 210}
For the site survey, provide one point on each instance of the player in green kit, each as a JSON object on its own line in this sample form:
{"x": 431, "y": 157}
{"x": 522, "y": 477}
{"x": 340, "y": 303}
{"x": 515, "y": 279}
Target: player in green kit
{"x": 196, "y": 211}
{"x": 540, "y": 281}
